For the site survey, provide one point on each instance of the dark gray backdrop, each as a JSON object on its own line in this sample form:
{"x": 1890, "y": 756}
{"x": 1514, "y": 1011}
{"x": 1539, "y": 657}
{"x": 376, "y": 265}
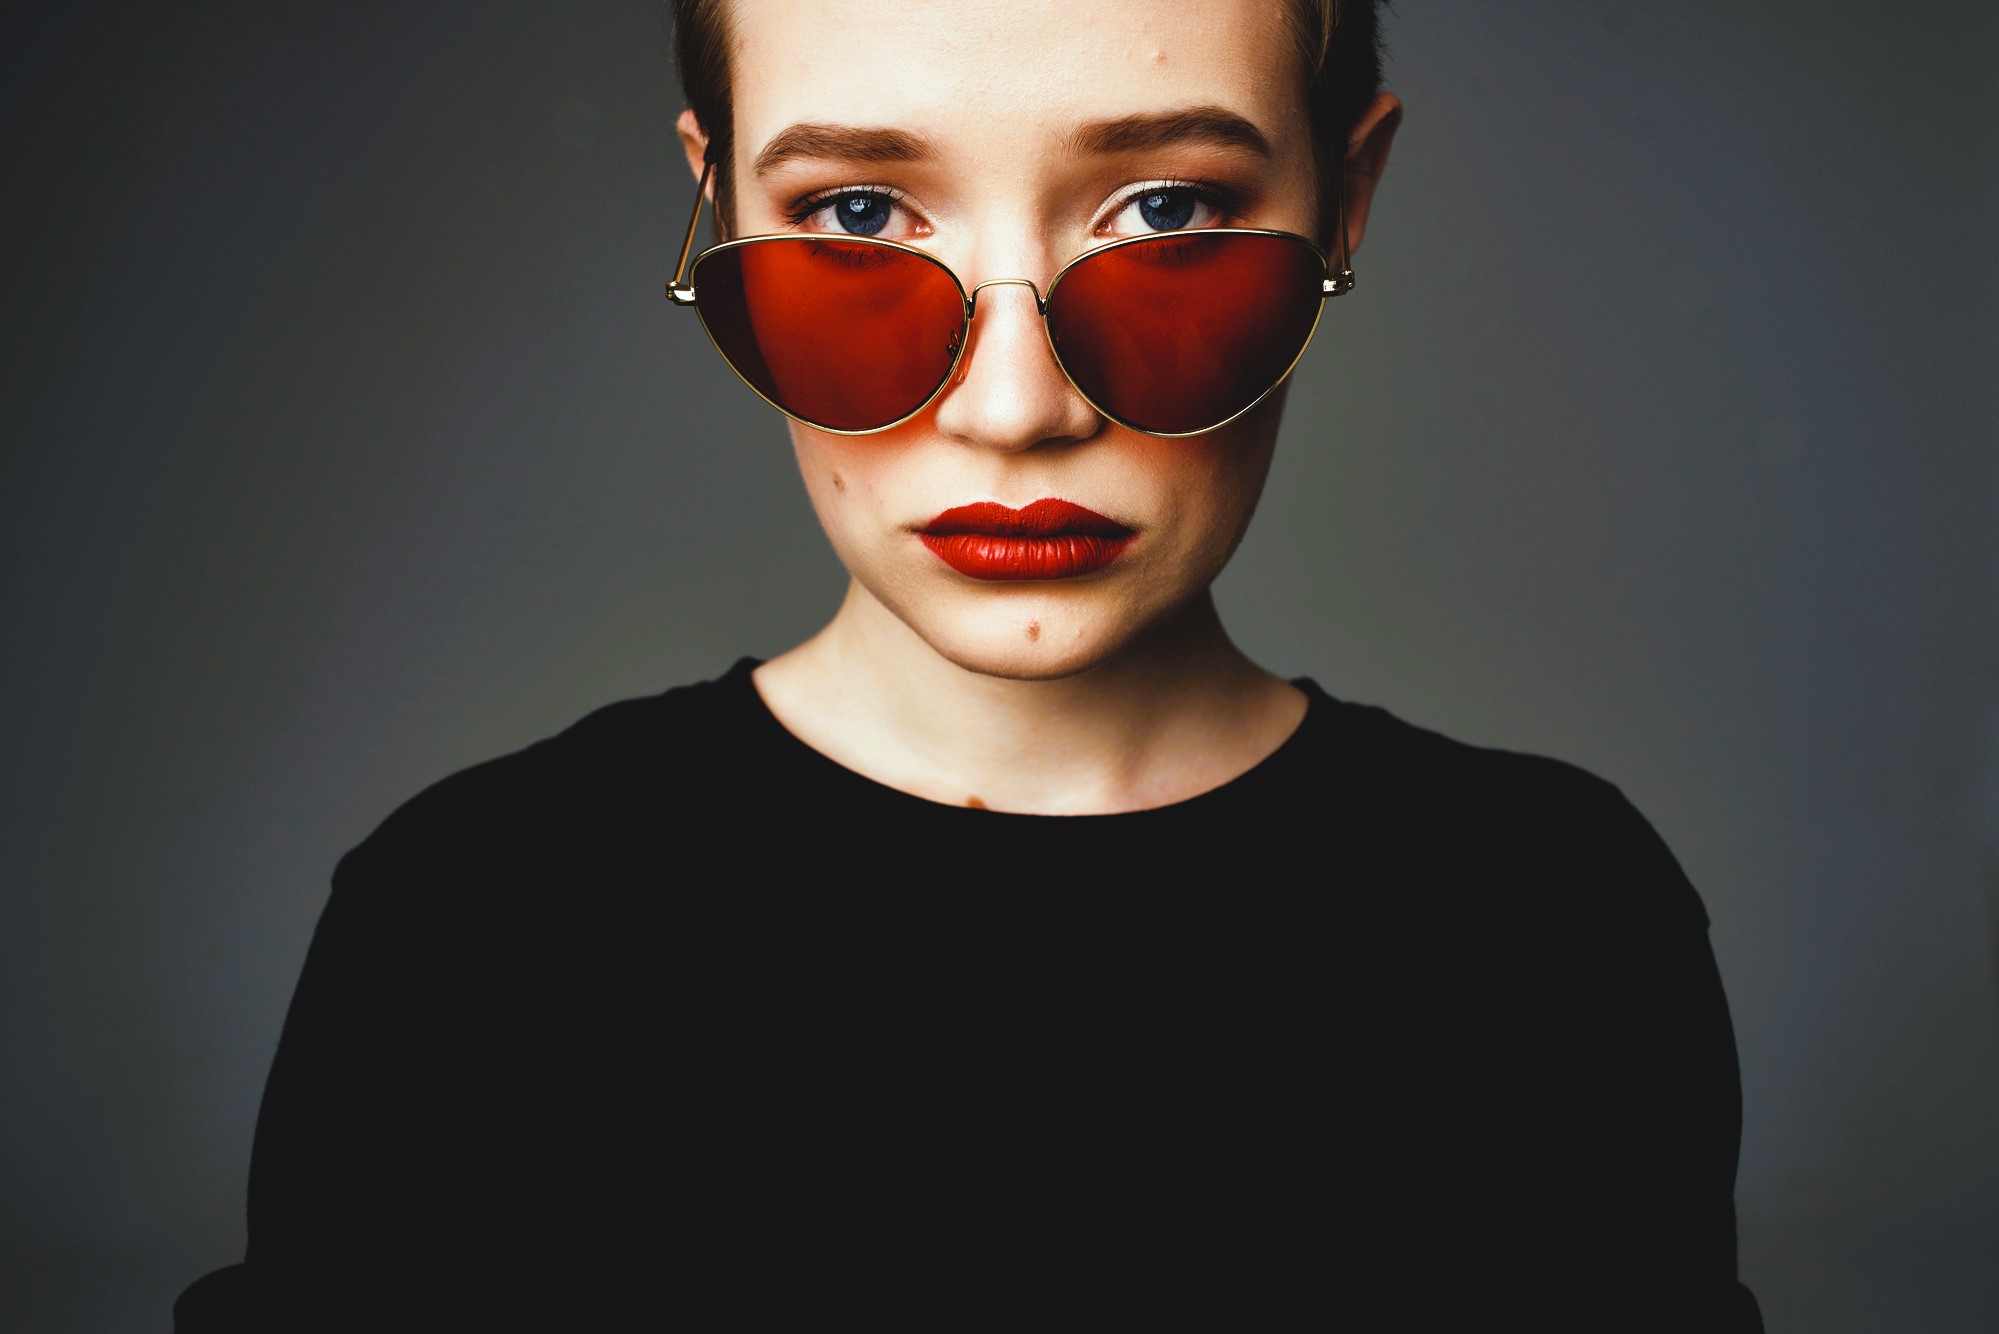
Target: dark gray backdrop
{"x": 349, "y": 441}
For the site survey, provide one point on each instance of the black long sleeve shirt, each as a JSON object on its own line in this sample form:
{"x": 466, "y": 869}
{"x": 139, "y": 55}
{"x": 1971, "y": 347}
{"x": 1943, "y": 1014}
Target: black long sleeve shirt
{"x": 671, "y": 1022}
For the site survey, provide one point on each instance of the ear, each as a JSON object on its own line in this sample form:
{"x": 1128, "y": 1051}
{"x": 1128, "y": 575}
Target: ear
{"x": 694, "y": 140}
{"x": 1367, "y": 158}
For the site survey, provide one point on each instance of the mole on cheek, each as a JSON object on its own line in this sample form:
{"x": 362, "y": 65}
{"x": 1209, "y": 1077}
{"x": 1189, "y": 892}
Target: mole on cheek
{"x": 975, "y": 803}
{"x": 839, "y": 482}
{"x": 1033, "y": 631}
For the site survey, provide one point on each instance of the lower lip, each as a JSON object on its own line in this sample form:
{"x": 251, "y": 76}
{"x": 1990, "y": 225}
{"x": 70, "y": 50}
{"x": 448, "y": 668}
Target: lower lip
{"x": 1049, "y": 539}
{"x": 989, "y": 556}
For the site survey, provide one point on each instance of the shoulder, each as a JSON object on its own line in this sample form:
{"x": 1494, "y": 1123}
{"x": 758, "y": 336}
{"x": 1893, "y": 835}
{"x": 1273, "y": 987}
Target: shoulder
{"x": 1541, "y": 834}
{"x": 584, "y": 793}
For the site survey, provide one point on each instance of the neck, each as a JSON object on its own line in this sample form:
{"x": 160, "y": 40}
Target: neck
{"x": 1178, "y": 712}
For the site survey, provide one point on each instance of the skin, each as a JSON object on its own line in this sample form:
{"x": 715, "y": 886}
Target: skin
{"x": 1113, "y": 692}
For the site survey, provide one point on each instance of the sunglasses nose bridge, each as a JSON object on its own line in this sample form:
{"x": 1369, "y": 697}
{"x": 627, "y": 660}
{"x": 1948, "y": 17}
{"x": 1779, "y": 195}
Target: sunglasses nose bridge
{"x": 972, "y": 301}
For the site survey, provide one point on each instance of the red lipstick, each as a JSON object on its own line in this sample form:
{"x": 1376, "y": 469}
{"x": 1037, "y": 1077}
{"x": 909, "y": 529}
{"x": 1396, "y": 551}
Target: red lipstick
{"x": 1049, "y": 539}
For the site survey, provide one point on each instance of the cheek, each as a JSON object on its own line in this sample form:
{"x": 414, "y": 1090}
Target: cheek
{"x": 841, "y": 475}
{"x": 1210, "y": 486}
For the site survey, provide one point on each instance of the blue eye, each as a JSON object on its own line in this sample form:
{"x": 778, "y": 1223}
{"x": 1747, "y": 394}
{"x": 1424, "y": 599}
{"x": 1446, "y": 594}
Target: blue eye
{"x": 863, "y": 215}
{"x": 1169, "y": 206}
{"x": 1167, "y": 210}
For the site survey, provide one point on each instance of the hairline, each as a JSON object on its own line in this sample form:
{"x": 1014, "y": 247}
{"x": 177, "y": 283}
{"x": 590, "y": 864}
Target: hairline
{"x": 1323, "y": 34}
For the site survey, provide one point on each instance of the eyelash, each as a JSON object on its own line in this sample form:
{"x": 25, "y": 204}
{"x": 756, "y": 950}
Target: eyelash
{"x": 1220, "y": 198}
{"x": 806, "y": 207}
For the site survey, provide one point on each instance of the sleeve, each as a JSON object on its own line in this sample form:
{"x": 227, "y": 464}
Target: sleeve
{"x": 365, "y": 1204}
{"x": 1640, "y": 1141}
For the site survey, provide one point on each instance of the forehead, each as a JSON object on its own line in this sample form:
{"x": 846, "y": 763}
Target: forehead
{"x": 980, "y": 76}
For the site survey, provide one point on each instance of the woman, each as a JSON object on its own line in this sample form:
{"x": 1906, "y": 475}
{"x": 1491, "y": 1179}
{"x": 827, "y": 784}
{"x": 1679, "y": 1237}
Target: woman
{"x": 1014, "y": 949}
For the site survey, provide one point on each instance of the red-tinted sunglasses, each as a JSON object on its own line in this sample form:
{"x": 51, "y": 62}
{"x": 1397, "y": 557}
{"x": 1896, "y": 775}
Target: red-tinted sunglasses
{"x": 1172, "y": 334}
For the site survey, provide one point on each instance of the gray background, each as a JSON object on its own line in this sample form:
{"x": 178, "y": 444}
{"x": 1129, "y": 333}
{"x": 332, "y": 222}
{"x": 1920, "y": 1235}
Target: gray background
{"x": 348, "y": 441}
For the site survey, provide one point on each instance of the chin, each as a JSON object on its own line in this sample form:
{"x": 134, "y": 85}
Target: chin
{"x": 1029, "y": 640}
{"x": 1009, "y": 663}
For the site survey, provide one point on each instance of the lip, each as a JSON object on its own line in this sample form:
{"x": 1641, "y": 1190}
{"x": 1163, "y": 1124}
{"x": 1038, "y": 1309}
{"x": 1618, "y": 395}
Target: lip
{"x": 1048, "y": 539}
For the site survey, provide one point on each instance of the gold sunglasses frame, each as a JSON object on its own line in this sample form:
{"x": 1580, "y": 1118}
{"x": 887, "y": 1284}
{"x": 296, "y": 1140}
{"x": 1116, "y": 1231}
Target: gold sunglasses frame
{"x": 681, "y": 292}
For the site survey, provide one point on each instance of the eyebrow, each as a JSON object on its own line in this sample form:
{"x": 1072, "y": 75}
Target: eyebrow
{"x": 1206, "y": 124}
{"x": 1124, "y": 134}
{"x": 848, "y": 143}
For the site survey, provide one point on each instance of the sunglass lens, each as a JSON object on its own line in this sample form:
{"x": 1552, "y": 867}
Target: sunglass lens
{"x": 842, "y": 334}
{"x": 1178, "y": 333}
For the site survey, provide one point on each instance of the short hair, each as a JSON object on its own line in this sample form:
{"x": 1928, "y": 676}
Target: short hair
{"x": 1339, "y": 49}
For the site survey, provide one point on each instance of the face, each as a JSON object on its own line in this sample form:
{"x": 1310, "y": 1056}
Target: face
{"x": 999, "y": 165}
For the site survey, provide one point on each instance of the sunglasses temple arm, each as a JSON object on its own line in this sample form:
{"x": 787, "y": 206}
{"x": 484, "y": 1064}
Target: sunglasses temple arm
{"x": 677, "y": 291}
{"x": 1342, "y": 279}
{"x": 1341, "y": 282}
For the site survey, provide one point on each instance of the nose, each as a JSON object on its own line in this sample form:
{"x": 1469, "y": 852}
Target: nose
{"x": 1008, "y": 393}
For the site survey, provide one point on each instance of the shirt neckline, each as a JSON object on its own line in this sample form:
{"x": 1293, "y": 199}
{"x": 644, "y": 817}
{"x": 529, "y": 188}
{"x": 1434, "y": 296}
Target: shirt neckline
{"x": 784, "y": 752}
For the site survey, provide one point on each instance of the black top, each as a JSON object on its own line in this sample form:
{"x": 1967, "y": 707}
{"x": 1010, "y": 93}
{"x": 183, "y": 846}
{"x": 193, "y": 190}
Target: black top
{"x": 670, "y": 1021}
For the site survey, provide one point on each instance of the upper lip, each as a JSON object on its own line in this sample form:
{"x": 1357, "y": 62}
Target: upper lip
{"x": 1041, "y": 518}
